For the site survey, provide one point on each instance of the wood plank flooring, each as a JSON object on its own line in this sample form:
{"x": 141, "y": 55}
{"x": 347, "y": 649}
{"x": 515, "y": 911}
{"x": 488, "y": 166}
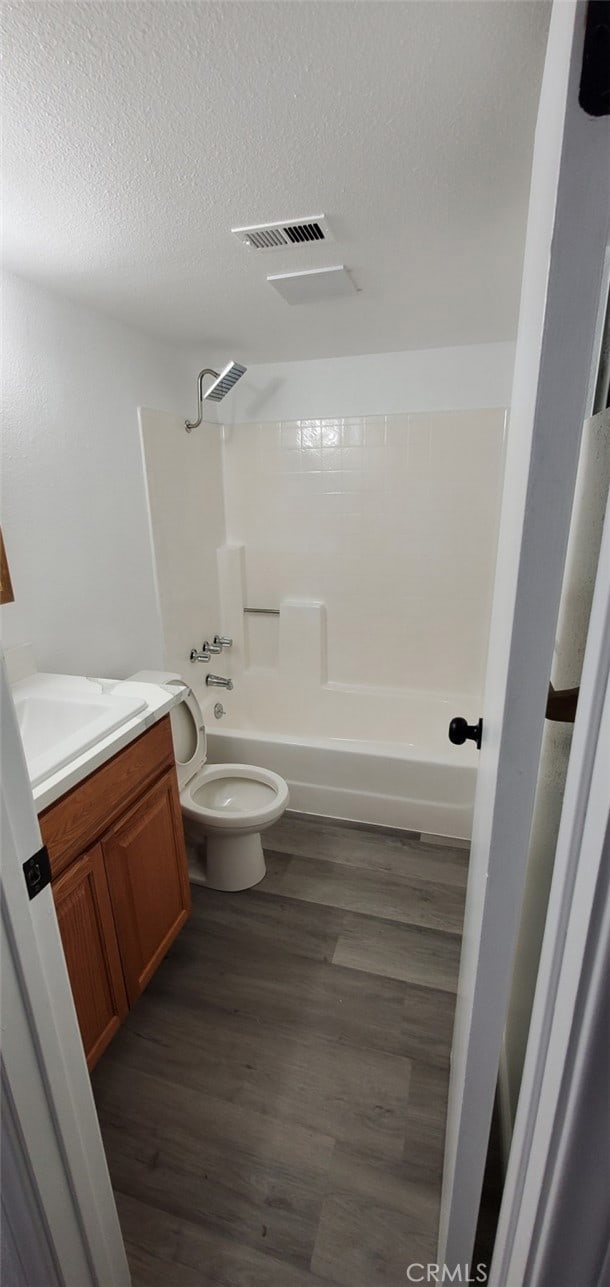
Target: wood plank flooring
{"x": 274, "y": 1107}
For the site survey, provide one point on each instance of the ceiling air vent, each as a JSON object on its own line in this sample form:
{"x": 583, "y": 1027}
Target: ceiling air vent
{"x": 290, "y": 232}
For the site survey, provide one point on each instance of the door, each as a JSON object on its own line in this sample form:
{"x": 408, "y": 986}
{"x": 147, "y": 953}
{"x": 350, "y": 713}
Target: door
{"x": 59, "y": 1195}
{"x": 148, "y": 880}
{"x": 554, "y": 1222}
{"x": 559, "y": 321}
{"x": 86, "y": 925}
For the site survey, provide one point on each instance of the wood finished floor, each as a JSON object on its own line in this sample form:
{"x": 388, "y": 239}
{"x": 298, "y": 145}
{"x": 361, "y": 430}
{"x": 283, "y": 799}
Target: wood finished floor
{"x": 273, "y": 1109}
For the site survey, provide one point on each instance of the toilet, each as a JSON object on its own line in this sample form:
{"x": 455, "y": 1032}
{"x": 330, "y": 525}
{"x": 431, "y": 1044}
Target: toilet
{"x": 224, "y": 806}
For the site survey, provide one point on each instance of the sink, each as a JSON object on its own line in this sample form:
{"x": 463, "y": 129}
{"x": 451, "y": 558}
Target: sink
{"x": 61, "y": 716}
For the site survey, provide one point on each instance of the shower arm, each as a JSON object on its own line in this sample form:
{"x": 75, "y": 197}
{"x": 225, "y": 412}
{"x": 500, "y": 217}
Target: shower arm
{"x": 194, "y": 424}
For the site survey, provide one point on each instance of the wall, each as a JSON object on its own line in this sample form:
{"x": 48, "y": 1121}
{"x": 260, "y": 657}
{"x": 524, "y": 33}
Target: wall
{"x": 449, "y": 379}
{"x": 185, "y": 494}
{"x": 74, "y": 504}
{"x": 390, "y": 521}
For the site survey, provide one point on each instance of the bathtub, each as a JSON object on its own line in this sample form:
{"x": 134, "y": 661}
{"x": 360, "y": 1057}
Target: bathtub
{"x": 364, "y": 755}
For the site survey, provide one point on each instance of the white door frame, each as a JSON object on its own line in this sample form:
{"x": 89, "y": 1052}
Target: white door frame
{"x": 567, "y": 237}
{"x": 50, "y": 1111}
{"x": 561, "y": 1021}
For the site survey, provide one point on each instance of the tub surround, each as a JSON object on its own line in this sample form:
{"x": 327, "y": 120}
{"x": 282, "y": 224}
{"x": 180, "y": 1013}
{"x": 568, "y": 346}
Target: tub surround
{"x": 303, "y": 641}
{"x": 390, "y": 522}
{"x": 187, "y": 525}
{"x": 372, "y": 539}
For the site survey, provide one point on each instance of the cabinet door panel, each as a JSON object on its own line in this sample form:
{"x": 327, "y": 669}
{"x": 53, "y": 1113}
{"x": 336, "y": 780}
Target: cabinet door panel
{"x": 148, "y": 879}
{"x": 82, "y": 815}
{"x": 86, "y": 925}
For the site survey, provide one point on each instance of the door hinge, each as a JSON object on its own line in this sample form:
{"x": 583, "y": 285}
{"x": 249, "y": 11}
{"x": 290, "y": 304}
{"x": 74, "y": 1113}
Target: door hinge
{"x": 594, "y": 89}
{"x": 37, "y": 872}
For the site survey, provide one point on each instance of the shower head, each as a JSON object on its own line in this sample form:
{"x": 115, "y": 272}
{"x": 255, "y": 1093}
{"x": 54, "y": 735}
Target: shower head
{"x": 222, "y": 384}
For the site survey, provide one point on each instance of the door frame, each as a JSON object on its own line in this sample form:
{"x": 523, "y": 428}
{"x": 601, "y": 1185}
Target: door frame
{"x": 563, "y": 276}
{"x": 568, "y": 975}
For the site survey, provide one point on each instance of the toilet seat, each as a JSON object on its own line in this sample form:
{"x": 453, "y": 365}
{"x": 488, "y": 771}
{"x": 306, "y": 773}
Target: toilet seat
{"x": 234, "y": 797}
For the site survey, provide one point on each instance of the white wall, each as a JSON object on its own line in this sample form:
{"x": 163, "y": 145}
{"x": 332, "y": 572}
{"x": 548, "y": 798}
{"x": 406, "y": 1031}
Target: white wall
{"x": 451, "y": 379}
{"x": 389, "y": 521}
{"x": 185, "y": 492}
{"x": 73, "y": 494}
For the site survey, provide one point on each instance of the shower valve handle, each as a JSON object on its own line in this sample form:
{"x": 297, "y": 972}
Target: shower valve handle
{"x": 461, "y": 731}
{"x": 197, "y": 655}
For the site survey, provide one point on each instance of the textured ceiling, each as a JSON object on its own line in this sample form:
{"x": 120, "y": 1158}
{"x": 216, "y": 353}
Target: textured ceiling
{"x": 137, "y": 134}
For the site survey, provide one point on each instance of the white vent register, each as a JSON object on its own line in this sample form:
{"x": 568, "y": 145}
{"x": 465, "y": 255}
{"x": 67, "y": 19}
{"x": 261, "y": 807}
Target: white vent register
{"x": 286, "y": 233}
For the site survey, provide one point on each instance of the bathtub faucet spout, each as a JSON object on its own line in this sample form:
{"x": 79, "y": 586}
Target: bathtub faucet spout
{"x": 217, "y": 681}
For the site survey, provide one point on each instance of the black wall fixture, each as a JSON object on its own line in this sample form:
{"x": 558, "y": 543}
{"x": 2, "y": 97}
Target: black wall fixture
{"x": 594, "y": 91}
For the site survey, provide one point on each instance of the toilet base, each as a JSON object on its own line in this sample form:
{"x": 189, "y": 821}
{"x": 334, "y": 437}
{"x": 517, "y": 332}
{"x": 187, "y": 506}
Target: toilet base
{"x": 229, "y": 863}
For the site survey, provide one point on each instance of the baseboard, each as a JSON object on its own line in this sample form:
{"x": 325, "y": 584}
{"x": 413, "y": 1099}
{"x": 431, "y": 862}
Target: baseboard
{"x": 334, "y": 821}
{"x": 454, "y": 842}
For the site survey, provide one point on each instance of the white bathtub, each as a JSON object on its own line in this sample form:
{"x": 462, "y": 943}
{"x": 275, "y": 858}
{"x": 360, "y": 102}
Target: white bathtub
{"x": 367, "y": 755}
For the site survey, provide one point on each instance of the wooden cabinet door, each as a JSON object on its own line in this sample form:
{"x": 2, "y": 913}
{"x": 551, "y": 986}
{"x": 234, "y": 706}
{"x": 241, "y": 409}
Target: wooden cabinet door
{"x": 148, "y": 880}
{"x": 86, "y": 925}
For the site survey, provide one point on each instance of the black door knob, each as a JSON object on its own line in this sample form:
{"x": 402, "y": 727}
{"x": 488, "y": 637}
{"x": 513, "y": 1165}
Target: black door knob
{"x": 461, "y": 731}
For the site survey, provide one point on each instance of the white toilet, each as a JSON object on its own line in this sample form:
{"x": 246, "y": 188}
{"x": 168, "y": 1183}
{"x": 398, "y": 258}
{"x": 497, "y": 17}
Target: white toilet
{"x": 224, "y": 805}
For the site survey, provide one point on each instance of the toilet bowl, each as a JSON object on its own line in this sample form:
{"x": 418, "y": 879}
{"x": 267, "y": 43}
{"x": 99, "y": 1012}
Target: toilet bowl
{"x": 224, "y": 806}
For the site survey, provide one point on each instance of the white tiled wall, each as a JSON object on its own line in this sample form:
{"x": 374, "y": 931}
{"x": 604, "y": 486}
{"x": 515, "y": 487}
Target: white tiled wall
{"x": 390, "y": 521}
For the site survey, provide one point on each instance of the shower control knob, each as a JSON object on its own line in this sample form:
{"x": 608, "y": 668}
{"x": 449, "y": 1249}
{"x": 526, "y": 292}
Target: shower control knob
{"x": 461, "y": 731}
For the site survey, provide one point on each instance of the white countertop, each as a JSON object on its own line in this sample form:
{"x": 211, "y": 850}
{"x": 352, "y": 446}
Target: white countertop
{"x": 159, "y": 700}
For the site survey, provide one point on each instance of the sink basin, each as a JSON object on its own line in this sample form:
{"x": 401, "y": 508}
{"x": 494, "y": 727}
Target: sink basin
{"x": 60, "y": 716}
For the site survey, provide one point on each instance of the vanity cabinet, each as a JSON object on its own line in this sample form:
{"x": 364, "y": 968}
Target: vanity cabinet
{"x": 119, "y": 879}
